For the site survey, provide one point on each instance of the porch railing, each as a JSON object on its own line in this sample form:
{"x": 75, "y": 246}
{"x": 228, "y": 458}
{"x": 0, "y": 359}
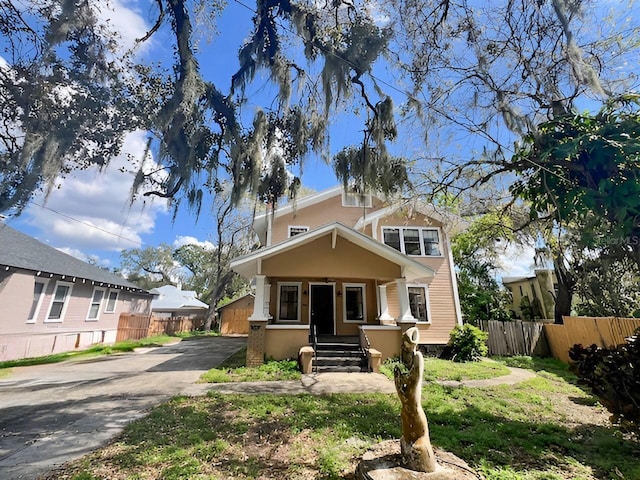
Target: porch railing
{"x": 314, "y": 343}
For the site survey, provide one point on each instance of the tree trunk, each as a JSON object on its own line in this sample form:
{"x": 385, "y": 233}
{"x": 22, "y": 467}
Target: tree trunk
{"x": 566, "y": 286}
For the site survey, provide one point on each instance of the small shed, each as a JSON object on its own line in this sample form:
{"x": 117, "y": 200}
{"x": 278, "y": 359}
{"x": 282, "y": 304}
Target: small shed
{"x": 234, "y": 316}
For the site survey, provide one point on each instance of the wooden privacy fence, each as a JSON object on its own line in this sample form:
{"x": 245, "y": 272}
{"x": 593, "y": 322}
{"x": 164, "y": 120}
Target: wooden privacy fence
{"x": 136, "y": 326}
{"x": 602, "y": 331}
{"x": 169, "y": 326}
{"x": 132, "y": 326}
{"x": 515, "y": 338}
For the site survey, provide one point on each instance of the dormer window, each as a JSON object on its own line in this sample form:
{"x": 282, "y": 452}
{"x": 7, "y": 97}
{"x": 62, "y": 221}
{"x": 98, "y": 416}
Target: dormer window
{"x": 297, "y": 230}
{"x": 354, "y": 199}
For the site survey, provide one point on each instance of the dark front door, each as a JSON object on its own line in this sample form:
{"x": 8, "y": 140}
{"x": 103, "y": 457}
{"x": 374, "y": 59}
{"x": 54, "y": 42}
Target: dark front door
{"x": 322, "y": 309}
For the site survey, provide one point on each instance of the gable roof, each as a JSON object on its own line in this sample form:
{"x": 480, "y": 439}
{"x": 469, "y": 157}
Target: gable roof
{"x": 170, "y": 297}
{"x": 18, "y": 250}
{"x": 247, "y": 265}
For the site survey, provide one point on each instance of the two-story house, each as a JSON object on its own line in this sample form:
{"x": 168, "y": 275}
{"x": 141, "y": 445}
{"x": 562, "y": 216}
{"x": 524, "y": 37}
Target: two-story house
{"x": 339, "y": 267}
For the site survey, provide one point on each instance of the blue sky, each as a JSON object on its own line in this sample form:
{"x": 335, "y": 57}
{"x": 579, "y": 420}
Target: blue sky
{"x": 90, "y": 215}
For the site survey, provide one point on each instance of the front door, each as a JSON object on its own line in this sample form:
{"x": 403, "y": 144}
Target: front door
{"x": 322, "y": 309}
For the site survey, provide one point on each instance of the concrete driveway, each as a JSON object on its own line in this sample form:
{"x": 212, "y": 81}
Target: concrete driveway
{"x": 50, "y": 414}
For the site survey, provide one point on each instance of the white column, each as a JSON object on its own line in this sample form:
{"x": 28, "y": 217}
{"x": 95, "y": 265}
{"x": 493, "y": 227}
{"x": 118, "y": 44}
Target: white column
{"x": 403, "y": 302}
{"x": 260, "y": 300}
{"x": 384, "y": 305}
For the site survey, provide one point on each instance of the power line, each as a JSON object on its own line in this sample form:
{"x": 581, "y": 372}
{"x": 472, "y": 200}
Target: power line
{"x": 119, "y": 236}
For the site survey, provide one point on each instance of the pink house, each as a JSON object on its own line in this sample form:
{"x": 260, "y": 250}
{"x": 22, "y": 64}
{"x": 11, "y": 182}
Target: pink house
{"x": 341, "y": 271}
{"x": 51, "y": 302}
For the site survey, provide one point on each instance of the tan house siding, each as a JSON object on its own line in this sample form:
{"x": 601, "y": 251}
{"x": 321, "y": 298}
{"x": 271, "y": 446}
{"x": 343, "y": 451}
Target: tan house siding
{"x": 442, "y": 304}
{"x": 330, "y": 210}
{"x": 392, "y": 300}
{"x": 283, "y": 342}
{"x": 318, "y": 258}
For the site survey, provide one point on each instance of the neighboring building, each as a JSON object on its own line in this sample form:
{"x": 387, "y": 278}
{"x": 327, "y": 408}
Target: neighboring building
{"x": 234, "y": 316}
{"x": 533, "y": 296}
{"x": 171, "y": 301}
{"x": 51, "y": 302}
{"x": 347, "y": 265}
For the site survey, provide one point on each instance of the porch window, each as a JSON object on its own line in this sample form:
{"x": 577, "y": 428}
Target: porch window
{"x": 38, "y": 295}
{"x": 96, "y": 301}
{"x": 59, "y": 302}
{"x": 354, "y": 296}
{"x": 297, "y": 230}
{"x": 289, "y": 302}
{"x": 418, "y": 303}
{"x": 112, "y": 300}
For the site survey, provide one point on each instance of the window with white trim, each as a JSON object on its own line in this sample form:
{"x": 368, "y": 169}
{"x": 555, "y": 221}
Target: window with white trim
{"x": 414, "y": 241}
{"x": 59, "y": 302}
{"x": 354, "y": 199}
{"x": 112, "y": 301}
{"x": 96, "y": 302}
{"x": 419, "y": 302}
{"x": 354, "y": 302}
{"x": 39, "y": 287}
{"x": 289, "y": 301}
{"x": 297, "y": 230}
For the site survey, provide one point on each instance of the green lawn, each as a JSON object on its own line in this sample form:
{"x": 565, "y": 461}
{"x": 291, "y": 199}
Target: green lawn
{"x": 125, "y": 346}
{"x": 542, "y": 429}
{"x": 234, "y": 369}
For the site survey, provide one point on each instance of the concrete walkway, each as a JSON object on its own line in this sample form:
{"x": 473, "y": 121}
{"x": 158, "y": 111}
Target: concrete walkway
{"x": 327, "y": 383}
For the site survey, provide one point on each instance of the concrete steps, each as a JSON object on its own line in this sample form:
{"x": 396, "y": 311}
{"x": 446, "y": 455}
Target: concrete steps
{"x": 337, "y": 354}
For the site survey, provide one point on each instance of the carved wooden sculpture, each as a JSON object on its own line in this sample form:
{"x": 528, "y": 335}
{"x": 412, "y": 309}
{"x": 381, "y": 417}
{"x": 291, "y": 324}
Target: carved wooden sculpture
{"x": 415, "y": 444}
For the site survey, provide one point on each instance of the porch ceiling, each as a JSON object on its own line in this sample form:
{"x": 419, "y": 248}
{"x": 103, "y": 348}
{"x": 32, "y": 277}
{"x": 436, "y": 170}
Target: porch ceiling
{"x": 333, "y": 250}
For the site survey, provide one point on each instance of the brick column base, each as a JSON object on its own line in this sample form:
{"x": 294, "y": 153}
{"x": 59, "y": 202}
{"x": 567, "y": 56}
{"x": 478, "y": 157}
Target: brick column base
{"x": 256, "y": 342}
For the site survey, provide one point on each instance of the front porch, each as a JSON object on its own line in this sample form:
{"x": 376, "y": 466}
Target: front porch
{"x": 337, "y": 283}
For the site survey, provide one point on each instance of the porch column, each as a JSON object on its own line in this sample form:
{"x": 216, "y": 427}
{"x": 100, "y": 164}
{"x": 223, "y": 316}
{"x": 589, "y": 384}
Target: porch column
{"x": 258, "y": 323}
{"x": 403, "y": 302}
{"x": 384, "y": 317}
{"x": 261, "y": 299}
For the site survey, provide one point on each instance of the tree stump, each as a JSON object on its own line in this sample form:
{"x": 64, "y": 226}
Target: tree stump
{"x": 415, "y": 444}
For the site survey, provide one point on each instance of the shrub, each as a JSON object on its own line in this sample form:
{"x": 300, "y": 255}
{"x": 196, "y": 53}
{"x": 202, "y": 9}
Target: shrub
{"x": 613, "y": 374}
{"x": 467, "y": 344}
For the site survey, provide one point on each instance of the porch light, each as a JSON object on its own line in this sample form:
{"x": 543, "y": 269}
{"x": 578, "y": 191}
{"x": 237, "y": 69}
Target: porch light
{"x": 339, "y": 293}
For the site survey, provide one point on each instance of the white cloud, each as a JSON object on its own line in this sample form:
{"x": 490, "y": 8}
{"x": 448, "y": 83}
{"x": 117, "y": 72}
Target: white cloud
{"x": 92, "y": 210}
{"x": 188, "y": 240}
{"x": 125, "y": 21}
{"x": 516, "y": 260}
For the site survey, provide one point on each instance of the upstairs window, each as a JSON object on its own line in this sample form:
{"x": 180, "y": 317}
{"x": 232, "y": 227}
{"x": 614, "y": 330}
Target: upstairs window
{"x": 297, "y": 230}
{"x": 418, "y": 242}
{"x": 354, "y": 199}
{"x": 392, "y": 238}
